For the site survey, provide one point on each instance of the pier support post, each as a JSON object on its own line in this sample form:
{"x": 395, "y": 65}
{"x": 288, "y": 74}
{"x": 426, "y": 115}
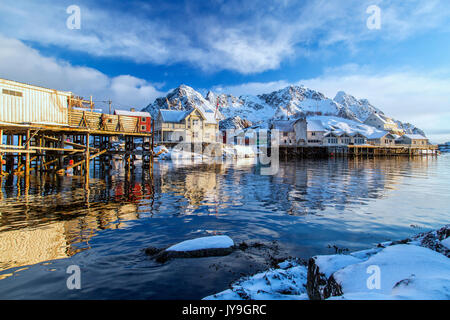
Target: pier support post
{"x": 87, "y": 161}
{"x": 27, "y": 155}
{"x": 1, "y": 156}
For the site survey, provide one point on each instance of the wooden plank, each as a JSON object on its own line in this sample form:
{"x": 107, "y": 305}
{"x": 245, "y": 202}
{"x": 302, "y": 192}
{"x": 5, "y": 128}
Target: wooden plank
{"x": 56, "y": 149}
{"x": 19, "y": 151}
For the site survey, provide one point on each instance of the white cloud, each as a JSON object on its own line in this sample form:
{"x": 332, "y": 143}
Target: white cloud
{"x": 22, "y": 63}
{"x": 247, "y": 37}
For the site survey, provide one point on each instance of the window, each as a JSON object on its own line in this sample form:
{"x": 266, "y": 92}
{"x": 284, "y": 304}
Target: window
{"x": 12, "y": 93}
{"x": 313, "y": 133}
{"x": 143, "y": 128}
{"x": 194, "y": 122}
{"x": 285, "y": 134}
{"x": 332, "y": 140}
{"x": 144, "y": 119}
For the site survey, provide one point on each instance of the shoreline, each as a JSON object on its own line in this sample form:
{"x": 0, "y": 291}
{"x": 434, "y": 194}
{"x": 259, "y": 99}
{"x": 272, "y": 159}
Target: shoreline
{"x": 414, "y": 268}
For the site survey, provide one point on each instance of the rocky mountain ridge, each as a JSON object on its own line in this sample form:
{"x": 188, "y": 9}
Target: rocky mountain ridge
{"x": 288, "y": 103}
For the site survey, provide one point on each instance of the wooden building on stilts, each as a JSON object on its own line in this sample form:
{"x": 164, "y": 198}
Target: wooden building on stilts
{"x": 44, "y": 129}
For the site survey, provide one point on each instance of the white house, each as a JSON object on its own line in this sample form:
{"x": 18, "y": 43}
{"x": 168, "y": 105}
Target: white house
{"x": 342, "y": 138}
{"x": 286, "y": 132}
{"x": 315, "y": 132}
{"x": 381, "y": 138}
{"x": 186, "y": 125}
{"x": 412, "y": 139}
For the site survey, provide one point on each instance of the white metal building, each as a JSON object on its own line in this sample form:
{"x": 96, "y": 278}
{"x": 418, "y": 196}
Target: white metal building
{"x": 25, "y": 103}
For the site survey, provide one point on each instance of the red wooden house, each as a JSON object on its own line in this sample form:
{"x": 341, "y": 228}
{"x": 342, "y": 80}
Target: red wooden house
{"x": 144, "y": 122}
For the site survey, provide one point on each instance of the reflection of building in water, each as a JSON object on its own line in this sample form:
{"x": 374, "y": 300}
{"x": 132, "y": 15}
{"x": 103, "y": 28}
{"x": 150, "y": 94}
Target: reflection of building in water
{"x": 30, "y": 246}
{"x": 338, "y": 183}
{"x": 197, "y": 186}
{"x": 33, "y": 239}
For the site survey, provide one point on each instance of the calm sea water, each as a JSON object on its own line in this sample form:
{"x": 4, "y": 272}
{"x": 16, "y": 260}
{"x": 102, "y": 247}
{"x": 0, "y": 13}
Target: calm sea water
{"x": 308, "y": 207}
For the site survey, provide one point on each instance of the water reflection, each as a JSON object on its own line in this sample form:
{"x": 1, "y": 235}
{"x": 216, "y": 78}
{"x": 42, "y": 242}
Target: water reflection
{"x": 50, "y": 217}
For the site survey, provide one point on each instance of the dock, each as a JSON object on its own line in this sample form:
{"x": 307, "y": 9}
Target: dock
{"x": 356, "y": 151}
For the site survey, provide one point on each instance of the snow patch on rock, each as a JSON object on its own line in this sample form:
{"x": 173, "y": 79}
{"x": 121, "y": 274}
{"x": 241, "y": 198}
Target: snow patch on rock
{"x": 212, "y": 242}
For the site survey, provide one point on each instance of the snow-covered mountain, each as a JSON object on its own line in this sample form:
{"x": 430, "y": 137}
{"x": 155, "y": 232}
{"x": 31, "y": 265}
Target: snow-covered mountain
{"x": 294, "y": 101}
{"x": 182, "y": 98}
{"x": 290, "y": 102}
{"x": 361, "y": 109}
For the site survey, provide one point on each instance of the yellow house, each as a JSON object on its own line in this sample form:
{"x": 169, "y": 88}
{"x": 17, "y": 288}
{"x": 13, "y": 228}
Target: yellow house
{"x": 191, "y": 125}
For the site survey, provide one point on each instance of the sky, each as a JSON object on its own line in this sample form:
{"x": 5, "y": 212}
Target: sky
{"x": 135, "y": 51}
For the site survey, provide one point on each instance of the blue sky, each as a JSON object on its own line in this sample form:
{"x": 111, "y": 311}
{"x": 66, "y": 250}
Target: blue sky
{"x": 134, "y": 51}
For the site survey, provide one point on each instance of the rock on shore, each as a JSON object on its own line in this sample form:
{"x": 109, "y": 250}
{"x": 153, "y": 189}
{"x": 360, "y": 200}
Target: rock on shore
{"x": 195, "y": 248}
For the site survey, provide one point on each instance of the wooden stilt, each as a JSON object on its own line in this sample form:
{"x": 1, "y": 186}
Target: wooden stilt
{"x": 27, "y": 155}
{"x": 1, "y": 155}
{"x": 87, "y": 160}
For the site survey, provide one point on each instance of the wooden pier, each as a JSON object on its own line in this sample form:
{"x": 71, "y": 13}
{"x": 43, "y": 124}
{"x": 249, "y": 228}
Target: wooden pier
{"x": 31, "y": 148}
{"x": 46, "y": 130}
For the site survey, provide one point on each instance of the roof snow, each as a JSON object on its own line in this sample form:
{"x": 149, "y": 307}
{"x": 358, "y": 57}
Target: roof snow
{"x": 414, "y": 136}
{"x": 174, "y": 115}
{"x": 341, "y": 125}
{"x": 132, "y": 113}
{"x": 315, "y": 125}
{"x": 283, "y": 125}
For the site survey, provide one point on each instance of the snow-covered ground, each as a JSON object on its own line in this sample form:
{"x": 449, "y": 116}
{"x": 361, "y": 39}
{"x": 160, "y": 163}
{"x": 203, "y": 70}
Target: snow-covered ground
{"x": 405, "y": 272}
{"x": 417, "y": 268}
{"x": 286, "y": 283}
{"x": 229, "y": 152}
